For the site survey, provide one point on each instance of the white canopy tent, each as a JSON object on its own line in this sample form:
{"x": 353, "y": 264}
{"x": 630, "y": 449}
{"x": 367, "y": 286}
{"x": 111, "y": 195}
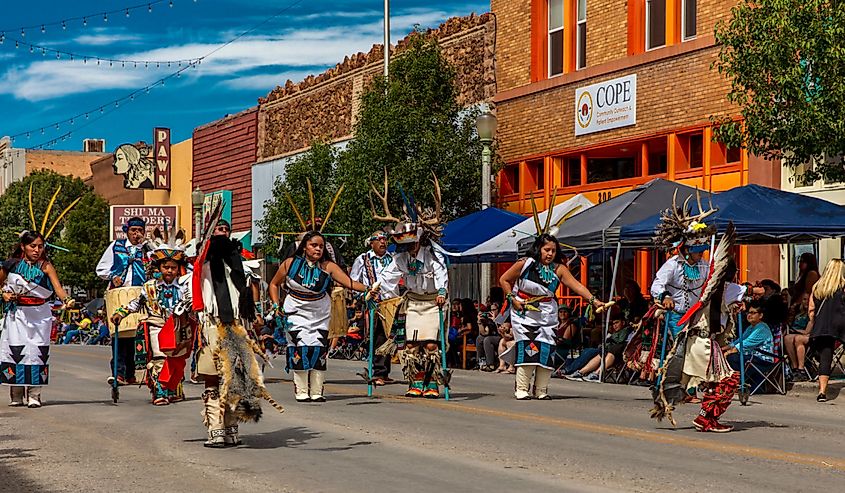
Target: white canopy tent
{"x": 503, "y": 247}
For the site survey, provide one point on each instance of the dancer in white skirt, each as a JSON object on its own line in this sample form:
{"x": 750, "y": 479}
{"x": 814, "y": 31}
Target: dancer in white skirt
{"x": 28, "y": 280}
{"x": 307, "y": 279}
{"x": 531, "y": 284}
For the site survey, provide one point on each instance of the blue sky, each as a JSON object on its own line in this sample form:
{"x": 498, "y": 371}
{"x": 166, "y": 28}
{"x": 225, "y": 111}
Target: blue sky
{"x": 37, "y": 90}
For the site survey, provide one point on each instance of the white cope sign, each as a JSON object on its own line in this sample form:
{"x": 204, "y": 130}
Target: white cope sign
{"x": 606, "y": 105}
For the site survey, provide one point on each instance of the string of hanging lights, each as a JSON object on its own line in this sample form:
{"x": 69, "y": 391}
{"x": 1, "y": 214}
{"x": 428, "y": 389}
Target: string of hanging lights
{"x": 84, "y": 20}
{"x": 94, "y": 59}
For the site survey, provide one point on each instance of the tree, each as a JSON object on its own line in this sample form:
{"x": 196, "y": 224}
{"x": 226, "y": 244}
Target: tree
{"x": 412, "y": 126}
{"x": 786, "y": 64}
{"x": 317, "y": 164}
{"x": 83, "y": 231}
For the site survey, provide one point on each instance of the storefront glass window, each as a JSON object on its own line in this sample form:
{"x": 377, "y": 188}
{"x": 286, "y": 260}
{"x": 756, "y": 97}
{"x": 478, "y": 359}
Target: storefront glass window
{"x": 607, "y": 169}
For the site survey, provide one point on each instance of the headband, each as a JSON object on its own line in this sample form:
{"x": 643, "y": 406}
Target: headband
{"x": 134, "y": 221}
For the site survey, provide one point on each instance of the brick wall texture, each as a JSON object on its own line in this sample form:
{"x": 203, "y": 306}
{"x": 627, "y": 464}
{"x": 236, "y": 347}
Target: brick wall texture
{"x": 673, "y": 91}
{"x": 73, "y": 163}
{"x": 323, "y": 107}
{"x": 224, "y": 152}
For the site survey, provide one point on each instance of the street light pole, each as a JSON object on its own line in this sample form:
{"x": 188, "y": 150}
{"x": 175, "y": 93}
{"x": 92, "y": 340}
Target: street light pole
{"x": 485, "y": 125}
{"x": 197, "y": 199}
{"x": 386, "y": 38}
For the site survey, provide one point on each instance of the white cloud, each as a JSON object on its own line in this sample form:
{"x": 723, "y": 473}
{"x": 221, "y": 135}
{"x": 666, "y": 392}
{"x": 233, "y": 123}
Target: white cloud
{"x": 282, "y": 54}
{"x": 266, "y": 81}
{"x": 105, "y": 39}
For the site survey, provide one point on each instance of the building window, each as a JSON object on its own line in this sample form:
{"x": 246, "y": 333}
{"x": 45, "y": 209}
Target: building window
{"x": 733, "y": 155}
{"x": 655, "y": 24}
{"x": 555, "y": 37}
{"x": 607, "y": 169}
{"x": 696, "y": 151}
{"x": 510, "y": 179}
{"x": 582, "y": 34}
{"x": 572, "y": 171}
{"x": 535, "y": 173}
{"x": 657, "y": 156}
{"x": 688, "y": 19}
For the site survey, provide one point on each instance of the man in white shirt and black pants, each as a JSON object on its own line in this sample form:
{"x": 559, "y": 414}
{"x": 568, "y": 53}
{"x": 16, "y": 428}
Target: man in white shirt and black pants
{"x": 367, "y": 269}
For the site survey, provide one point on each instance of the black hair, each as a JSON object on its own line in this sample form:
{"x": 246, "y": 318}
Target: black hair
{"x": 768, "y": 283}
{"x": 540, "y": 242}
{"x": 497, "y": 295}
{"x": 810, "y": 259}
{"x": 300, "y": 250}
{"x": 26, "y": 238}
{"x": 758, "y": 305}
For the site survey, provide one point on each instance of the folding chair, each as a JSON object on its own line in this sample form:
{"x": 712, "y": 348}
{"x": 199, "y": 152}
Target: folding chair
{"x": 772, "y": 373}
{"x": 838, "y": 354}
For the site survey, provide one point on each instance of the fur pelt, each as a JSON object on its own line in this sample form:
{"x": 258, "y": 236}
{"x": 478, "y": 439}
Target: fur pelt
{"x": 671, "y": 390}
{"x": 241, "y": 384}
{"x": 412, "y": 362}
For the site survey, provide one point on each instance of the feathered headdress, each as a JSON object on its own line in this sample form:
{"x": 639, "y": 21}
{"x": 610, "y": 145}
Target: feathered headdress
{"x": 313, "y": 219}
{"x": 168, "y": 244}
{"x": 416, "y": 221}
{"x": 46, "y": 232}
{"x": 549, "y": 228}
{"x": 678, "y": 227}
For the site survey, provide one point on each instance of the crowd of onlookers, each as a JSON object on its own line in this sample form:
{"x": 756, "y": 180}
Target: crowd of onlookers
{"x": 80, "y": 327}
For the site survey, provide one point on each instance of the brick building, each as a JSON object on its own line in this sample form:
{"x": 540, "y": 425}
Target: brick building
{"x": 325, "y": 106}
{"x": 223, "y": 154}
{"x": 641, "y": 73}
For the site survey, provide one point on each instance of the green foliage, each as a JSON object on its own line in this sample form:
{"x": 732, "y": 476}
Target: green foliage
{"x": 318, "y": 165}
{"x": 786, "y": 63}
{"x": 410, "y": 125}
{"x": 84, "y": 230}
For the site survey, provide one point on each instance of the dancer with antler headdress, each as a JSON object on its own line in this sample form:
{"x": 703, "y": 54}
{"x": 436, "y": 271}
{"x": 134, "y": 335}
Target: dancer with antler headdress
{"x": 678, "y": 283}
{"x": 305, "y": 314}
{"x": 168, "y": 338}
{"x": 424, "y": 270}
{"x": 696, "y": 359}
{"x": 122, "y": 265}
{"x": 532, "y": 284}
{"x": 28, "y": 280}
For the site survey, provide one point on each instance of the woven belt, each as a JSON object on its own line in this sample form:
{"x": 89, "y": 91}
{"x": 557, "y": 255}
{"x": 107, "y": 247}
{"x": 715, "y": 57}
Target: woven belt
{"x": 30, "y": 301}
{"x": 305, "y": 295}
{"x": 533, "y": 297}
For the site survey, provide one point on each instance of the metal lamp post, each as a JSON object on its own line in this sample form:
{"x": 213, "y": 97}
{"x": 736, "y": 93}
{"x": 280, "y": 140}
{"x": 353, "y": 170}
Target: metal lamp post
{"x": 197, "y": 200}
{"x": 485, "y": 124}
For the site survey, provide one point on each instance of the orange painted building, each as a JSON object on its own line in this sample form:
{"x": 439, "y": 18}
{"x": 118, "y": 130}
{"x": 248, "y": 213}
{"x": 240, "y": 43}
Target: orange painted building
{"x": 641, "y": 73}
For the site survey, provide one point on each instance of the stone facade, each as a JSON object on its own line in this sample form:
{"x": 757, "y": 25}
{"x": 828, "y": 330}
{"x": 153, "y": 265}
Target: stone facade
{"x": 292, "y": 116}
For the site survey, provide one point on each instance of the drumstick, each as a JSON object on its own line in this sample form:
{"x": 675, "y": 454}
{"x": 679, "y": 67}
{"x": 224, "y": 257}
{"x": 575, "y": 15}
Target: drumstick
{"x": 605, "y": 306}
{"x": 374, "y": 288}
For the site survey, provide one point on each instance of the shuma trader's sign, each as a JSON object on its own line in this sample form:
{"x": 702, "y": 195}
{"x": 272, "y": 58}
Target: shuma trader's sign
{"x": 154, "y": 215}
{"x": 606, "y": 105}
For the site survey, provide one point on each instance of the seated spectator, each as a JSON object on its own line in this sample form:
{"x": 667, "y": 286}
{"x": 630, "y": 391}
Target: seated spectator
{"x": 505, "y": 343}
{"x": 775, "y": 309}
{"x": 102, "y": 331}
{"x": 355, "y": 331}
{"x": 757, "y": 340}
{"x": 567, "y": 327}
{"x": 587, "y": 367}
{"x": 74, "y": 329}
{"x": 797, "y": 339}
{"x": 487, "y": 344}
{"x": 633, "y": 304}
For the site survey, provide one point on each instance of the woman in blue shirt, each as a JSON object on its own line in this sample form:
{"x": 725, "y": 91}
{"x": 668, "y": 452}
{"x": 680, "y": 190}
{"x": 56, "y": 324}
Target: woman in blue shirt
{"x": 757, "y": 340}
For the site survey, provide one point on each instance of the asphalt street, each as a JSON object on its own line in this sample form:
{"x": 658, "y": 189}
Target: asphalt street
{"x": 591, "y": 437}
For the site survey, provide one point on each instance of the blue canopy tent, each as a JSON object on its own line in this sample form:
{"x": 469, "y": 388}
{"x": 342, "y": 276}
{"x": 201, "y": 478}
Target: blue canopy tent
{"x": 761, "y": 215}
{"x": 473, "y": 229}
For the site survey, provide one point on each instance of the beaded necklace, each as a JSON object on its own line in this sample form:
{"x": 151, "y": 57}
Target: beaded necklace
{"x": 30, "y": 272}
{"x": 691, "y": 272}
{"x": 310, "y": 273}
{"x": 547, "y": 272}
{"x": 414, "y": 266}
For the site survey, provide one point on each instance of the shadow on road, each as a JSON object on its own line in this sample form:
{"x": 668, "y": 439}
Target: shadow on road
{"x": 12, "y": 480}
{"x": 284, "y": 438}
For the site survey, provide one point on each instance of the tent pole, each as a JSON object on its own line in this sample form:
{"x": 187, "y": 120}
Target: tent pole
{"x": 607, "y": 314}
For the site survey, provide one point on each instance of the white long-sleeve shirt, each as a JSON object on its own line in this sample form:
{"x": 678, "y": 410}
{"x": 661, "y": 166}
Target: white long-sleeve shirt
{"x": 671, "y": 279}
{"x": 361, "y": 274}
{"x": 425, "y": 273}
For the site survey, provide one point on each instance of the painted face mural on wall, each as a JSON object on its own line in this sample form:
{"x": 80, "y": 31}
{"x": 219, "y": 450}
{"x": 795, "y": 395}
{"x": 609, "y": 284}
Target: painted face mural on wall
{"x": 137, "y": 169}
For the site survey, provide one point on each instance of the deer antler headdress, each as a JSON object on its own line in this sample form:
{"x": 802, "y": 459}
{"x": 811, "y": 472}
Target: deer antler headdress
{"x": 416, "y": 221}
{"x": 679, "y": 227}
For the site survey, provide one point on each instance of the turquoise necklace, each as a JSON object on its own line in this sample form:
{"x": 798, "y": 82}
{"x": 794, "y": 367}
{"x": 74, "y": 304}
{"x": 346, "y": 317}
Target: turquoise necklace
{"x": 414, "y": 266}
{"x": 310, "y": 273}
{"x": 30, "y": 272}
{"x": 547, "y": 272}
{"x": 691, "y": 272}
